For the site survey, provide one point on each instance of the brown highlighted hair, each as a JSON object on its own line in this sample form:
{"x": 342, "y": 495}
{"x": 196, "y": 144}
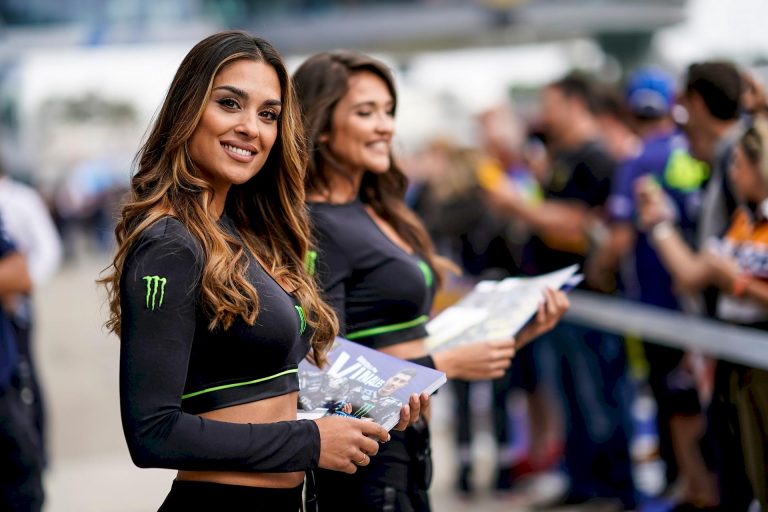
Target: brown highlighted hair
{"x": 321, "y": 82}
{"x": 268, "y": 210}
{"x": 754, "y": 142}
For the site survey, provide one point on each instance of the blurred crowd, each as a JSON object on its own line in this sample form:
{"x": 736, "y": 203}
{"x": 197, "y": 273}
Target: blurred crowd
{"x": 657, "y": 187}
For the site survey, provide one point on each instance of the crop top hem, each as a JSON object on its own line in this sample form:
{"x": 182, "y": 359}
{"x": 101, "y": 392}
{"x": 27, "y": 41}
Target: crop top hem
{"x": 241, "y": 392}
{"x": 375, "y": 337}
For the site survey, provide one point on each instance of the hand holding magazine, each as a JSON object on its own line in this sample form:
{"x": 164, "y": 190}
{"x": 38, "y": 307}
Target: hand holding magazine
{"x": 363, "y": 383}
{"x": 495, "y": 309}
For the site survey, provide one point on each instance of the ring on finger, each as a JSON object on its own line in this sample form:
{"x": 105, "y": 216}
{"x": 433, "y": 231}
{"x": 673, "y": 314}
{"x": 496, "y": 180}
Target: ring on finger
{"x": 362, "y": 461}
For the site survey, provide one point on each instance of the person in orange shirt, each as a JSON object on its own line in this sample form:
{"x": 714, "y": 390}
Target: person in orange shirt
{"x": 736, "y": 263}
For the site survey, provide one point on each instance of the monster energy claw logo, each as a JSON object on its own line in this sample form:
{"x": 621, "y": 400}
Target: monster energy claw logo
{"x": 152, "y": 286}
{"x": 364, "y": 409}
{"x": 302, "y": 319}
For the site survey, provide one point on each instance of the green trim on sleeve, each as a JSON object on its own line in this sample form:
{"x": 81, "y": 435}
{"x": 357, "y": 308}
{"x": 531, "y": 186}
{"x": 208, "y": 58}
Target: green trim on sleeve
{"x": 427, "y": 271}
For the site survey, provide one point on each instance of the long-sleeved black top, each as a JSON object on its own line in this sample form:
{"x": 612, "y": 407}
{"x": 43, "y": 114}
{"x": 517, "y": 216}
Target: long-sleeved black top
{"x": 381, "y": 294}
{"x": 173, "y": 367}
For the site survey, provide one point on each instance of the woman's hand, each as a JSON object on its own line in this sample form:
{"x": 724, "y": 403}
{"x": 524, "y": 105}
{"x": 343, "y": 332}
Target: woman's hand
{"x": 411, "y": 412}
{"x": 476, "y": 361}
{"x": 553, "y": 308}
{"x": 346, "y": 443}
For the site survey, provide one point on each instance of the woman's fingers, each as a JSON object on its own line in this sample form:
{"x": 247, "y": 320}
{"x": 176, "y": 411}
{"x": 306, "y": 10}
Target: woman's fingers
{"x": 344, "y": 441}
{"x": 503, "y": 354}
{"x": 411, "y": 412}
{"x": 415, "y": 408}
{"x": 424, "y": 402}
{"x": 551, "y": 302}
{"x": 541, "y": 316}
{"x": 363, "y": 460}
{"x": 405, "y": 418}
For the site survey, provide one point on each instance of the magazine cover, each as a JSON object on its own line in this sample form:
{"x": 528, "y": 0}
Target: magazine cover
{"x": 495, "y": 309}
{"x": 364, "y": 383}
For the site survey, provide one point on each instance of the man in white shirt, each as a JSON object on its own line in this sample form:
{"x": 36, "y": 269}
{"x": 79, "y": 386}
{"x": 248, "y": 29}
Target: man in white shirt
{"x": 28, "y": 224}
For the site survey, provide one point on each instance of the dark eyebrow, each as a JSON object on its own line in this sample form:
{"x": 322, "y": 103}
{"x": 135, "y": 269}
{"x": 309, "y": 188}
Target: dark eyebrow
{"x": 244, "y": 95}
{"x": 370, "y": 104}
{"x": 273, "y": 103}
{"x": 234, "y": 90}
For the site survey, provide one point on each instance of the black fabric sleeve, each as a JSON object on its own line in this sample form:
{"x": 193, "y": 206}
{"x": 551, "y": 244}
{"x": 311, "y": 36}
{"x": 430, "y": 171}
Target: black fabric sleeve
{"x": 424, "y": 361}
{"x": 595, "y": 172}
{"x": 159, "y": 289}
{"x": 332, "y": 271}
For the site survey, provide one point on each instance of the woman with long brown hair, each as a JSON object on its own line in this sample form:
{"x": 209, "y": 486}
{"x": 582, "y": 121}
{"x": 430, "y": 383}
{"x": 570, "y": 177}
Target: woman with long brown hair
{"x": 209, "y": 294}
{"x": 377, "y": 265}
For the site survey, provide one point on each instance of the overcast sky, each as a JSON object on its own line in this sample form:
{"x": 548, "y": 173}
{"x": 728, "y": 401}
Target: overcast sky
{"x": 718, "y": 28}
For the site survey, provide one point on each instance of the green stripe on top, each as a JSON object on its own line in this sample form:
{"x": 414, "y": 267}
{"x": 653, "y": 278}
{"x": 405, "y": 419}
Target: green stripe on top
{"x": 238, "y": 384}
{"x": 387, "y": 328}
{"x": 310, "y": 261}
{"x": 302, "y": 318}
{"x": 427, "y": 271}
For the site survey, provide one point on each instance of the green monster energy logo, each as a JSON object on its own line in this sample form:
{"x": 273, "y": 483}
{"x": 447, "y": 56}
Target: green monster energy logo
{"x": 302, "y": 318}
{"x": 152, "y": 286}
{"x": 363, "y": 410}
{"x": 310, "y": 261}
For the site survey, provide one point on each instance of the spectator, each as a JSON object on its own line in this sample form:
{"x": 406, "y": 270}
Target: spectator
{"x": 20, "y": 480}
{"x": 711, "y": 96}
{"x": 614, "y": 120}
{"x": 29, "y": 225}
{"x": 737, "y": 264}
{"x": 664, "y": 157}
{"x": 589, "y": 365}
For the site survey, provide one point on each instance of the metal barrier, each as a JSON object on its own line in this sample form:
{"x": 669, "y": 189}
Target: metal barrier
{"x": 672, "y": 328}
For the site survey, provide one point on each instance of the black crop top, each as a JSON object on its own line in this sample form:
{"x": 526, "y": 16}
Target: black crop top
{"x": 381, "y": 294}
{"x": 173, "y": 367}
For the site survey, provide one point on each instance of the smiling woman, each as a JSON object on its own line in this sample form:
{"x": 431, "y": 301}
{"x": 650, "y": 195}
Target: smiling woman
{"x": 378, "y": 268}
{"x": 238, "y": 127}
{"x": 209, "y": 294}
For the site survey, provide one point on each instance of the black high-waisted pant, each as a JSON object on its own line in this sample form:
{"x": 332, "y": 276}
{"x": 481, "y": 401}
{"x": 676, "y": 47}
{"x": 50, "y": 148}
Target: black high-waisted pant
{"x": 188, "y": 495}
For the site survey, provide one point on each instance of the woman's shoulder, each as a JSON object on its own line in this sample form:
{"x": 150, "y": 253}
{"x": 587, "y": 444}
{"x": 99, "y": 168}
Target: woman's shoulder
{"x": 335, "y": 219}
{"x": 169, "y": 233}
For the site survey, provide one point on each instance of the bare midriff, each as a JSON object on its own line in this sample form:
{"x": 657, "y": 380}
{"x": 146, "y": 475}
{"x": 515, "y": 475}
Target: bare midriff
{"x": 270, "y": 410}
{"x": 407, "y": 349}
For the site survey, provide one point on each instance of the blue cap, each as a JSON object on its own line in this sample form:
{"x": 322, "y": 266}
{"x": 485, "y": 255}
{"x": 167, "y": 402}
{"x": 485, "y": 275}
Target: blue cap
{"x": 650, "y": 93}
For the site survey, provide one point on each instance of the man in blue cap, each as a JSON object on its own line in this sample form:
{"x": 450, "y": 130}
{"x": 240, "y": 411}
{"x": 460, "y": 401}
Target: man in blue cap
{"x": 650, "y": 98}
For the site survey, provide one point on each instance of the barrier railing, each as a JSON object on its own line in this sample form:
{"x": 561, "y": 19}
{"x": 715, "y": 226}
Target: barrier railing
{"x": 672, "y": 328}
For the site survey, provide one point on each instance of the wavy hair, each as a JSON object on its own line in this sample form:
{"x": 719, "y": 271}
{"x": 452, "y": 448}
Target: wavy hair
{"x": 320, "y": 83}
{"x": 754, "y": 142}
{"x": 268, "y": 210}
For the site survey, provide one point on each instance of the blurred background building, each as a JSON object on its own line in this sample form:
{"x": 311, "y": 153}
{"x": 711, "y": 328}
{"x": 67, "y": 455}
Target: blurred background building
{"x": 80, "y": 79}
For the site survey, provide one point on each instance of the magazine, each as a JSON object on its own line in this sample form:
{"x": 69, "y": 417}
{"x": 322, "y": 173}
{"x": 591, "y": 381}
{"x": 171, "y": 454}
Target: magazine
{"x": 495, "y": 309}
{"x": 363, "y": 383}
